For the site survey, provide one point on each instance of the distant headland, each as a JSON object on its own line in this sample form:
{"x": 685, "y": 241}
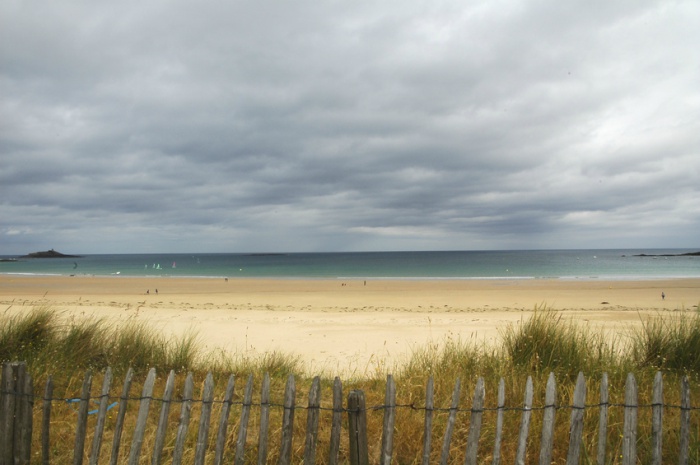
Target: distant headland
{"x": 688, "y": 254}
{"x": 49, "y": 254}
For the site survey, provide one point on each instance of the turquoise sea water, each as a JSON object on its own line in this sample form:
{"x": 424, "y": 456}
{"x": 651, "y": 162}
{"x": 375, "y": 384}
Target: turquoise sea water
{"x": 563, "y": 264}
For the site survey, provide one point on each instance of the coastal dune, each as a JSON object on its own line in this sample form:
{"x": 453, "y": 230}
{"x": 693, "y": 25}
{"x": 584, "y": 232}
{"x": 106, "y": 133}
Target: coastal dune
{"x": 345, "y": 326}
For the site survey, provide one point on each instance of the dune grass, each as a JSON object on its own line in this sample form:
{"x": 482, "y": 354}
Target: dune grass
{"x": 670, "y": 344}
{"x": 546, "y": 342}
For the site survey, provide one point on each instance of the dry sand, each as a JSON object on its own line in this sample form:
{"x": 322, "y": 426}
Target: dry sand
{"x": 349, "y": 326}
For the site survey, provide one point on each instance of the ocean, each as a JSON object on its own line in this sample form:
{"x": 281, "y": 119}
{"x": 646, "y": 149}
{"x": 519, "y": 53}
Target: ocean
{"x": 512, "y": 264}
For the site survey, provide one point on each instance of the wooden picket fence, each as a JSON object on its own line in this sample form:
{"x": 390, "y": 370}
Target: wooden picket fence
{"x": 18, "y": 402}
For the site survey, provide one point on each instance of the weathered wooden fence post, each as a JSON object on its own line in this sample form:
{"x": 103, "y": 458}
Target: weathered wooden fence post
{"x": 550, "y": 410}
{"x": 657, "y": 409}
{"x": 119, "y": 426}
{"x": 264, "y": 420}
{"x": 389, "y": 419}
{"x": 140, "y": 429}
{"x": 7, "y": 415}
{"x": 603, "y": 420}
{"x": 357, "y": 426}
{"x": 445, "y": 451}
{"x": 499, "y": 422}
{"x": 184, "y": 419}
{"x": 101, "y": 418}
{"x": 312, "y": 415}
{"x": 337, "y": 421}
{"x": 16, "y": 406}
{"x": 239, "y": 457}
{"x": 475, "y": 423}
{"x": 46, "y": 422}
{"x": 576, "y": 427}
{"x": 524, "y": 423}
{"x": 163, "y": 419}
{"x": 629, "y": 435}
{"x": 200, "y": 449}
{"x": 428, "y": 422}
{"x": 81, "y": 428}
{"x": 223, "y": 420}
{"x": 290, "y": 391}
{"x": 684, "y": 422}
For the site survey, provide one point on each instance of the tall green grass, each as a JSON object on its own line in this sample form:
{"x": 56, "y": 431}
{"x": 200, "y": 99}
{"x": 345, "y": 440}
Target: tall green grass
{"x": 49, "y": 344}
{"x": 671, "y": 343}
{"x": 547, "y": 343}
{"x": 52, "y": 345}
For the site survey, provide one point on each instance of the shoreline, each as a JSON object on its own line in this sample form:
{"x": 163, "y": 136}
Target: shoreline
{"x": 345, "y": 325}
{"x": 603, "y": 278}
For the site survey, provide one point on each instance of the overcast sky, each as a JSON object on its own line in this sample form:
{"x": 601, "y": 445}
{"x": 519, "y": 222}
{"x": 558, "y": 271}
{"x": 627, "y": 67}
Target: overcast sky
{"x": 260, "y": 126}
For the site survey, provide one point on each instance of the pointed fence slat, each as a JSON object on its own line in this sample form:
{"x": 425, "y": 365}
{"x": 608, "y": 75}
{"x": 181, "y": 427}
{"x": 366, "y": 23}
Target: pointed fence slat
{"x": 46, "y": 423}
{"x": 475, "y": 423}
{"x": 629, "y": 435}
{"x": 524, "y": 423}
{"x": 7, "y": 409}
{"x": 389, "y": 420}
{"x": 312, "y": 414}
{"x": 449, "y": 430}
{"x": 146, "y": 395}
{"x": 336, "y": 422}
{"x": 550, "y": 410}
{"x": 16, "y": 405}
{"x": 657, "y": 412}
{"x": 81, "y": 426}
{"x": 428, "y": 422}
{"x": 576, "y": 426}
{"x": 119, "y": 425}
{"x": 163, "y": 419}
{"x": 239, "y": 458}
{"x": 684, "y": 422}
{"x": 223, "y": 421}
{"x": 101, "y": 416}
{"x": 499, "y": 422}
{"x": 603, "y": 419}
{"x": 204, "y": 418}
{"x": 357, "y": 428}
{"x": 264, "y": 420}
{"x": 23, "y": 439}
{"x": 184, "y": 420}
{"x": 290, "y": 390}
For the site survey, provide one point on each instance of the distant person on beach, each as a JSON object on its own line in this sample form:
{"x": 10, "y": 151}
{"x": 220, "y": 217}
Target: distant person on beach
{"x": 663, "y": 296}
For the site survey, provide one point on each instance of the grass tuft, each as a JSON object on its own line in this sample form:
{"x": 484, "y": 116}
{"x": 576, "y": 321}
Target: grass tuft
{"x": 669, "y": 343}
{"x": 546, "y": 342}
{"x": 22, "y": 336}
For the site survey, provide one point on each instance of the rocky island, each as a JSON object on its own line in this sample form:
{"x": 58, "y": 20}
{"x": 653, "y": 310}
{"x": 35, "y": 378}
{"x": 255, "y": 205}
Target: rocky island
{"x": 49, "y": 254}
{"x": 689, "y": 254}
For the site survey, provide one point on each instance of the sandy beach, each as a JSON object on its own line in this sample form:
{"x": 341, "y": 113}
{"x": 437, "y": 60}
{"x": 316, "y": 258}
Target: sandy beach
{"x": 350, "y": 326}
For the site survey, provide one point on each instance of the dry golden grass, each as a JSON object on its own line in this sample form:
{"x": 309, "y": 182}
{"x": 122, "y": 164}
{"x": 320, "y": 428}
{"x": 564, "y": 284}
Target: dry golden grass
{"x": 535, "y": 348}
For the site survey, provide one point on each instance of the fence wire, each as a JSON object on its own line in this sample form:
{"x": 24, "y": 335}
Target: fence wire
{"x": 412, "y": 406}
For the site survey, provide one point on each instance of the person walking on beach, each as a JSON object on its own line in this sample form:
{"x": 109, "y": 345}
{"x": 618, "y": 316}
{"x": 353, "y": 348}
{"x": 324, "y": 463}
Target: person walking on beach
{"x": 663, "y": 296}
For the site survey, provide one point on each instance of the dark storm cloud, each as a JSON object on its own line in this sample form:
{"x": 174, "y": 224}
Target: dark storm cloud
{"x": 172, "y": 126}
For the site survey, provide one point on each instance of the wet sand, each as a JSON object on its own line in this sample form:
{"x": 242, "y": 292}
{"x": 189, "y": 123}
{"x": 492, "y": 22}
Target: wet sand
{"x": 345, "y": 326}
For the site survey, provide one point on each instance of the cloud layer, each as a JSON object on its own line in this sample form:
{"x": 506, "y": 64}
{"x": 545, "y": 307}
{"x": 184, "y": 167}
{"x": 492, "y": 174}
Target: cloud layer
{"x": 312, "y": 126}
